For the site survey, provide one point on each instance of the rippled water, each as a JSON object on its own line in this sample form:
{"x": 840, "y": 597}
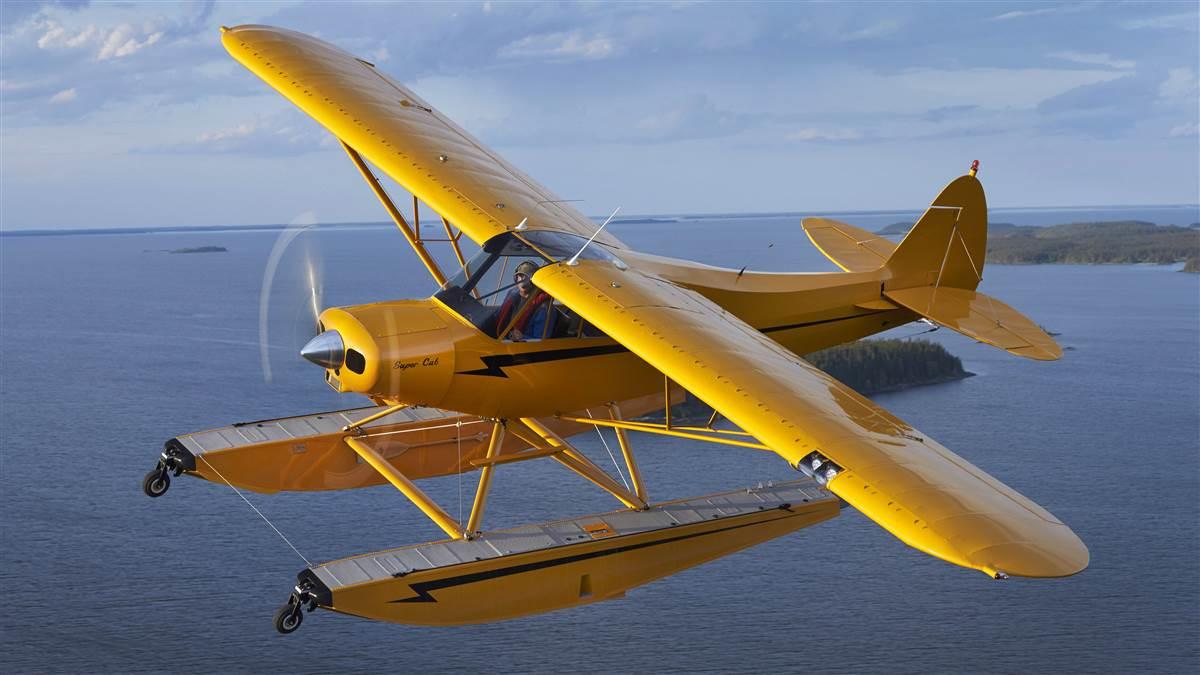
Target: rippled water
{"x": 109, "y": 350}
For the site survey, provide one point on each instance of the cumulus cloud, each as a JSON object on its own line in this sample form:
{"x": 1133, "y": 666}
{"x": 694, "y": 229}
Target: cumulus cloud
{"x": 123, "y": 40}
{"x": 1180, "y": 84}
{"x": 565, "y": 45}
{"x": 1094, "y": 59}
{"x": 65, "y": 96}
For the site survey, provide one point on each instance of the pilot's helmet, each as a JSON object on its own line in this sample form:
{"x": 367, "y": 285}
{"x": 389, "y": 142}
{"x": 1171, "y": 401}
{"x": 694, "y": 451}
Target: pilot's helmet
{"x": 527, "y": 268}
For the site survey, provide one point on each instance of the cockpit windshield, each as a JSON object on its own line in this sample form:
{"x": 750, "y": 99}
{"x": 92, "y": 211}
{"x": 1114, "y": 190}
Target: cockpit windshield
{"x": 495, "y": 292}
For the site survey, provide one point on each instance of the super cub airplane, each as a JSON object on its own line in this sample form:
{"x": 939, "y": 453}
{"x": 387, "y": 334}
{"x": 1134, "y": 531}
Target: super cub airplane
{"x": 557, "y": 327}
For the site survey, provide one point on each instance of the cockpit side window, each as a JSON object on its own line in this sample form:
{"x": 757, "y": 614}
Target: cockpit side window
{"x": 495, "y": 292}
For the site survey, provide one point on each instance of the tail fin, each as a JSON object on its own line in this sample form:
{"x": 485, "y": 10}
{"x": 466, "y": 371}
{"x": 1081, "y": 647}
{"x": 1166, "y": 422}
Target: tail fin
{"x": 948, "y": 244}
{"x": 935, "y": 270}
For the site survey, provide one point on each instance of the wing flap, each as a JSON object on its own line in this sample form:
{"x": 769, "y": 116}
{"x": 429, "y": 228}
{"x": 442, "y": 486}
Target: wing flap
{"x": 981, "y": 317}
{"x": 399, "y": 132}
{"x": 915, "y": 488}
{"x": 850, "y": 248}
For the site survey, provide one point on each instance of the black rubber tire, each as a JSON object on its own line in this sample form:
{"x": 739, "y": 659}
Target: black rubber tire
{"x": 156, "y": 483}
{"x": 288, "y": 618}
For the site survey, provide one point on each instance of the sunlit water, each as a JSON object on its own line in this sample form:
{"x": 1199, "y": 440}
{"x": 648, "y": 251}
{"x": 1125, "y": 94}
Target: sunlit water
{"x": 109, "y": 350}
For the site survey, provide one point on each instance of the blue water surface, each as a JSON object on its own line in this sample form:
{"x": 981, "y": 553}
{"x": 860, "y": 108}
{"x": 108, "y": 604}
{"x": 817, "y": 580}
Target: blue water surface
{"x": 111, "y": 346}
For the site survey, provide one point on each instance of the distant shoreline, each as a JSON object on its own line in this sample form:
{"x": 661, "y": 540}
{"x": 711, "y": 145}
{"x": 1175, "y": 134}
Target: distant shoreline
{"x": 681, "y": 219}
{"x": 1117, "y": 242}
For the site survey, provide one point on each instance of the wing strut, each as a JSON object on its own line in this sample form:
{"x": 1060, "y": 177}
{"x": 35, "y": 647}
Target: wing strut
{"x": 417, "y": 245}
{"x": 692, "y": 433}
{"x": 539, "y": 436}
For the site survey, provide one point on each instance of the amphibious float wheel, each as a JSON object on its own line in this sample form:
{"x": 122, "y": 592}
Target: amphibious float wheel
{"x": 156, "y": 482}
{"x": 288, "y": 618}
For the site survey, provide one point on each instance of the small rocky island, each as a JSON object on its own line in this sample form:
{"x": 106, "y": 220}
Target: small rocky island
{"x": 191, "y": 249}
{"x": 869, "y": 366}
{"x": 200, "y": 249}
{"x": 1107, "y": 242}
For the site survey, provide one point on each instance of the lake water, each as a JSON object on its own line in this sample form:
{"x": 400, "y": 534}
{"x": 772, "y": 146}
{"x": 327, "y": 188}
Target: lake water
{"x": 108, "y": 350}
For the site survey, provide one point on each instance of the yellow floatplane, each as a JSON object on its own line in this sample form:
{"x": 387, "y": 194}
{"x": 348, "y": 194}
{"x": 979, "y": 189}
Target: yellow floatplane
{"x": 555, "y": 320}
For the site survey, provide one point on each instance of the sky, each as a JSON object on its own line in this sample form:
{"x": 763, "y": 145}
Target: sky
{"x": 133, "y": 115}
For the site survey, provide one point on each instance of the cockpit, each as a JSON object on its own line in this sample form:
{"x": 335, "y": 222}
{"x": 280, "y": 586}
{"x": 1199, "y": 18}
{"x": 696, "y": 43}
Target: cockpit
{"x": 495, "y": 292}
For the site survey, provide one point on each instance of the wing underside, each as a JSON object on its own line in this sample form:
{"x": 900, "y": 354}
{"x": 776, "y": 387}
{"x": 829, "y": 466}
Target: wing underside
{"x": 914, "y": 487}
{"x": 398, "y": 131}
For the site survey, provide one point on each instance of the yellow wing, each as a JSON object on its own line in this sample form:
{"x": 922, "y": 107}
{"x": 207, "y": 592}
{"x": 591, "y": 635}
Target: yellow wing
{"x": 850, "y": 248}
{"x": 399, "y": 132}
{"x": 918, "y": 490}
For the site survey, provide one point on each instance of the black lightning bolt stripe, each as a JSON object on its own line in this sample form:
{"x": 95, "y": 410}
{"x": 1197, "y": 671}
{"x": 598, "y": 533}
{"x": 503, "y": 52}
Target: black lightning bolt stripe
{"x": 496, "y": 363}
{"x": 423, "y": 588}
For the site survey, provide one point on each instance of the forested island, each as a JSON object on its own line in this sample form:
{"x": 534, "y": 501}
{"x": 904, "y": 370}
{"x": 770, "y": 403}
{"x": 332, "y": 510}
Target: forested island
{"x": 869, "y": 366}
{"x": 1121, "y": 241}
{"x": 877, "y": 366}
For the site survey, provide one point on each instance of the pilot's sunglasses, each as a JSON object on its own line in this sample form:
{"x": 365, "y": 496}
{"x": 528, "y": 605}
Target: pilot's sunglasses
{"x": 520, "y": 276}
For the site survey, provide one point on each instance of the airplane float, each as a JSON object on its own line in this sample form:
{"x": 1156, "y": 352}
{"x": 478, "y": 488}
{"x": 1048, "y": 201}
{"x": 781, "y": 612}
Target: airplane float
{"x": 556, "y": 327}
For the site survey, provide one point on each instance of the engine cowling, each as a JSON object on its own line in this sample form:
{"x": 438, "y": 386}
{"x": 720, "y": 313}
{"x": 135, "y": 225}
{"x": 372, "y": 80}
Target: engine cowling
{"x": 398, "y": 350}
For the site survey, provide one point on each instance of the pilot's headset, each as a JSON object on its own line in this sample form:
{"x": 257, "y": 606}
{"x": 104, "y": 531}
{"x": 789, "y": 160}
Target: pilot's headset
{"x": 527, "y": 268}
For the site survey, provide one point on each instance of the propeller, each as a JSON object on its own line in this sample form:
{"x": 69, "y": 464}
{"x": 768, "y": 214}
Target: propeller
{"x": 305, "y": 297}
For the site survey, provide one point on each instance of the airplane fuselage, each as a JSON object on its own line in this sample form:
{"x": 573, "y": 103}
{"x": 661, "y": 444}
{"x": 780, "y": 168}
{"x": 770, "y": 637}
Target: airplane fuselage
{"x": 422, "y": 352}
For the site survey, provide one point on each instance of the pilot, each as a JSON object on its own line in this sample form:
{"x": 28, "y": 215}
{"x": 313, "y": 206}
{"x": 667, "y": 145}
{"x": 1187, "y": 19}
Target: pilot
{"x": 530, "y": 305}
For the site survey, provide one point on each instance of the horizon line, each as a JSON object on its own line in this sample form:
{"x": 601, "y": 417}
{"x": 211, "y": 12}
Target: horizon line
{"x": 146, "y": 229}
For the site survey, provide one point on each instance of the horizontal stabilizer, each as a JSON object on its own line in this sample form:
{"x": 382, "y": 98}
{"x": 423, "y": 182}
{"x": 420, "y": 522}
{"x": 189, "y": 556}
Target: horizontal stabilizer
{"x": 850, "y": 248}
{"x": 981, "y": 317}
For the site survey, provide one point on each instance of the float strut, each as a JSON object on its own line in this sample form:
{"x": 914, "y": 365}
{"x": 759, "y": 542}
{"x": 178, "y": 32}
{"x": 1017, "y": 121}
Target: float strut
{"x": 485, "y": 479}
{"x": 635, "y": 476}
{"x": 403, "y": 484}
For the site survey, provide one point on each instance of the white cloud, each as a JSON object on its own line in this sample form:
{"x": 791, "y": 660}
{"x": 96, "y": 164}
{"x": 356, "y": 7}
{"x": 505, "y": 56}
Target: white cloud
{"x": 12, "y": 85}
{"x": 1185, "y": 130}
{"x": 65, "y": 96}
{"x": 123, "y": 40}
{"x": 997, "y": 87}
{"x": 828, "y": 135}
{"x": 267, "y": 135}
{"x": 695, "y": 116}
{"x": 1181, "y": 83}
{"x": 1186, "y": 21}
{"x": 1041, "y": 11}
{"x": 567, "y": 45}
{"x": 1094, "y": 59}
{"x": 56, "y": 36}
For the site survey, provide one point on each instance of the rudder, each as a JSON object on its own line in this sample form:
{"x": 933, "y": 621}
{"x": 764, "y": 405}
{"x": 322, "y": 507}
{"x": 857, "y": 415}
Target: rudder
{"x": 948, "y": 244}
